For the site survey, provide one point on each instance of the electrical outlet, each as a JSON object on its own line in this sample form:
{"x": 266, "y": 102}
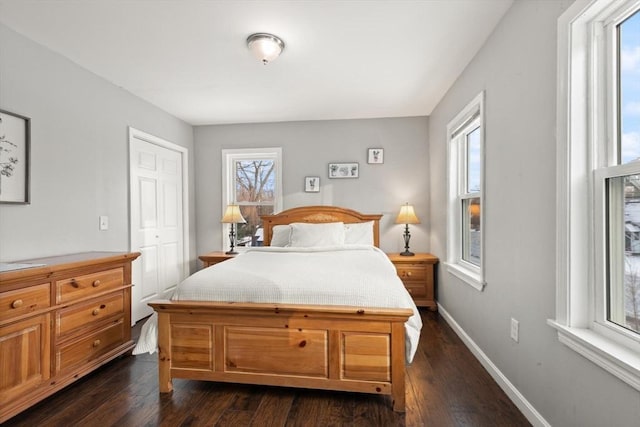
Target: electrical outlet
{"x": 104, "y": 222}
{"x": 515, "y": 329}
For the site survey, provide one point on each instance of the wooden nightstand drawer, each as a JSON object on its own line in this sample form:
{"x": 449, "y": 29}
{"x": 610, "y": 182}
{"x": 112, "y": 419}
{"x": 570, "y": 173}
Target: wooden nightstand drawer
{"x": 23, "y": 301}
{"x": 412, "y": 272}
{"x": 416, "y": 289}
{"x": 87, "y": 314}
{"x": 90, "y": 347}
{"x": 88, "y": 284}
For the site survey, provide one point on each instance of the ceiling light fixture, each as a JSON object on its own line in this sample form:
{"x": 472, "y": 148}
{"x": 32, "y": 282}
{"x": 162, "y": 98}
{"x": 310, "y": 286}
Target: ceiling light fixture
{"x": 266, "y": 47}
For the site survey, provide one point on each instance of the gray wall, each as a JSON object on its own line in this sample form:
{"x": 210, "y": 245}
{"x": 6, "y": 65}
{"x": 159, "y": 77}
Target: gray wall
{"x": 517, "y": 69}
{"x": 307, "y": 148}
{"x": 79, "y": 152}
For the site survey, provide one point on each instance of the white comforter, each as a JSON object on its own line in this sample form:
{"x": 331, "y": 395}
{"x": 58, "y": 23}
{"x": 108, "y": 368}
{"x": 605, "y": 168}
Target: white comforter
{"x": 359, "y": 276}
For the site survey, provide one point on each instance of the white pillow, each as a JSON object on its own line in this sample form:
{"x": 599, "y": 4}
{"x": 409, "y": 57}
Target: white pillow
{"x": 360, "y": 233}
{"x": 281, "y": 236}
{"x": 305, "y": 235}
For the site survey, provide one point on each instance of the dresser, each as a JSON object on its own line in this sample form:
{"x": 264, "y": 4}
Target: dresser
{"x": 418, "y": 275}
{"x": 60, "y": 320}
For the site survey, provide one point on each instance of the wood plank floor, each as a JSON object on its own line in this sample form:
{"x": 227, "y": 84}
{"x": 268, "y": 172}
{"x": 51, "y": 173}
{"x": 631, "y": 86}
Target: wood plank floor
{"x": 446, "y": 386}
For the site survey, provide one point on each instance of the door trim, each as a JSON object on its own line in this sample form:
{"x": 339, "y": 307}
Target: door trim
{"x": 184, "y": 155}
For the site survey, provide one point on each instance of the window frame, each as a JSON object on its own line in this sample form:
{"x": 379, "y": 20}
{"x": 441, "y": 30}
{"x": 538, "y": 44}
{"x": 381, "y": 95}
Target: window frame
{"x": 229, "y": 156}
{"x": 466, "y": 121}
{"x": 587, "y": 108}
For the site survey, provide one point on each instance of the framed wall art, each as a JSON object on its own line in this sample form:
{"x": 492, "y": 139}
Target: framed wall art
{"x": 14, "y": 158}
{"x": 344, "y": 170}
{"x": 375, "y": 156}
{"x": 311, "y": 184}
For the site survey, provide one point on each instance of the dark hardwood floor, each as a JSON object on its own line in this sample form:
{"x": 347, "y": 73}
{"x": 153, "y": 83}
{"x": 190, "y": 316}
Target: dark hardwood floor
{"x": 446, "y": 386}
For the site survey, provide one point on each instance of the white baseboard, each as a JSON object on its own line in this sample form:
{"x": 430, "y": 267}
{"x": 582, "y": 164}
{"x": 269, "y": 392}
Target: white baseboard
{"x": 512, "y": 392}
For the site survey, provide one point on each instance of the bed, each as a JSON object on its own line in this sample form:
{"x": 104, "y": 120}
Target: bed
{"x": 353, "y": 348}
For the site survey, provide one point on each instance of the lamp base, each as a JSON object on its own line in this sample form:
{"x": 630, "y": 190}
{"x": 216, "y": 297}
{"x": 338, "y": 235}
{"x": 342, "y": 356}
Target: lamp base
{"x": 232, "y": 241}
{"x": 407, "y": 237}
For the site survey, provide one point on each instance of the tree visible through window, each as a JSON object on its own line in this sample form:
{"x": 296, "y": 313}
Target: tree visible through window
{"x": 253, "y": 181}
{"x": 255, "y": 194}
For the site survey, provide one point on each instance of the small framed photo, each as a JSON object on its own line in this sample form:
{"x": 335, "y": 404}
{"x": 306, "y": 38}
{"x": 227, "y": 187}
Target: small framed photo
{"x": 376, "y": 156}
{"x": 14, "y": 158}
{"x": 311, "y": 184}
{"x": 344, "y": 170}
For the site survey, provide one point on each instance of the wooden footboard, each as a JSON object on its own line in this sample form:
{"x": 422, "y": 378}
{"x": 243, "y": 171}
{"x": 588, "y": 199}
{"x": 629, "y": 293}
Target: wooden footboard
{"x": 319, "y": 347}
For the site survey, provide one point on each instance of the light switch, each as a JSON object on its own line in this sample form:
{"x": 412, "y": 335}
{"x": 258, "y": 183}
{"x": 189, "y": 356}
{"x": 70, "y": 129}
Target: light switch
{"x": 104, "y": 222}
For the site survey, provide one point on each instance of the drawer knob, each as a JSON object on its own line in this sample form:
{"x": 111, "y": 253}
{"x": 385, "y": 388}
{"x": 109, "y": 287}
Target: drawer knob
{"x": 96, "y": 343}
{"x": 17, "y": 303}
{"x": 96, "y": 283}
{"x": 96, "y": 311}
{"x": 408, "y": 274}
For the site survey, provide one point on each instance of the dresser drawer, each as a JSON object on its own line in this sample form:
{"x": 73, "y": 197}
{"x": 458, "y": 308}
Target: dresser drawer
{"x": 412, "y": 272}
{"x": 23, "y": 301}
{"x": 88, "y": 284}
{"x": 86, "y": 314}
{"x": 90, "y": 347}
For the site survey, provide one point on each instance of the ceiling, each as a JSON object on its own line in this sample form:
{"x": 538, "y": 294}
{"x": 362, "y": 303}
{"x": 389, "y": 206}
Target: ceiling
{"x": 343, "y": 59}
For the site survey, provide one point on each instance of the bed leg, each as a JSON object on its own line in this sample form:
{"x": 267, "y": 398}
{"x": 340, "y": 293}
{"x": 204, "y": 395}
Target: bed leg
{"x": 398, "y": 366}
{"x": 164, "y": 353}
{"x": 398, "y": 401}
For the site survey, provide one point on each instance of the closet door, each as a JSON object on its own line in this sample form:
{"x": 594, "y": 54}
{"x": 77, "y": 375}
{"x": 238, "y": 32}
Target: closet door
{"x": 157, "y": 230}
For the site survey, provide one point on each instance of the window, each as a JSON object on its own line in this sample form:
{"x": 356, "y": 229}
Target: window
{"x": 598, "y": 282}
{"x": 465, "y": 240}
{"x": 252, "y": 180}
{"x": 623, "y": 295}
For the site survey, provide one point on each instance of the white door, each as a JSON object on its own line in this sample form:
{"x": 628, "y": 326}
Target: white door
{"x": 156, "y": 222}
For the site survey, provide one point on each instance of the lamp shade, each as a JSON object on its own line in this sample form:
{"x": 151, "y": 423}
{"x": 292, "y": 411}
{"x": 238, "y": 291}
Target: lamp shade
{"x": 407, "y": 215}
{"x": 266, "y": 47}
{"x": 232, "y": 215}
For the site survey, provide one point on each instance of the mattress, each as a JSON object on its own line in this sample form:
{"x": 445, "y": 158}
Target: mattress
{"x": 352, "y": 275}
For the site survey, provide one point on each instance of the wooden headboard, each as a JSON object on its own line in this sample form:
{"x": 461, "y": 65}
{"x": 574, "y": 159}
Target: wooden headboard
{"x": 319, "y": 214}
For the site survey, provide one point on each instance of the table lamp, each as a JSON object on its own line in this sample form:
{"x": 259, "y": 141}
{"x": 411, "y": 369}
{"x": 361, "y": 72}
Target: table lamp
{"x": 407, "y": 216}
{"x": 232, "y": 216}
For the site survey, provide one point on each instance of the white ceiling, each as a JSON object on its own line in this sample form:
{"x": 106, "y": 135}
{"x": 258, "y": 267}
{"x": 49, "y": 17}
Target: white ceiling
{"x": 343, "y": 59}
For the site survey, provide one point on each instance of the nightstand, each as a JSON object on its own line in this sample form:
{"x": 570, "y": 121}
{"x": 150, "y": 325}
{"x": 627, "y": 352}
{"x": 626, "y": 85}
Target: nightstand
{"x": 418, "y": 275}
{"x": 214, "y": 257}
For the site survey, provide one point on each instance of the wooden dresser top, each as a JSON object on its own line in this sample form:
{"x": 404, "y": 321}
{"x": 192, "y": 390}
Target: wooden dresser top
{"x": 50, "y": 265}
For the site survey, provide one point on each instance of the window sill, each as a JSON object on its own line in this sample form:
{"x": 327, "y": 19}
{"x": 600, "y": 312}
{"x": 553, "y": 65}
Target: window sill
{"x": 468, "y": 276}
{"x": 609, "y": 355}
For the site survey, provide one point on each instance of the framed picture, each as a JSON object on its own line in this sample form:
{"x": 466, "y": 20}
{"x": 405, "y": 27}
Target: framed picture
{"x": 311, "y": 184}
{"x": 376, "y": 156}
{"x": 343, "y": 170}
{"x": 14, "y": 158}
